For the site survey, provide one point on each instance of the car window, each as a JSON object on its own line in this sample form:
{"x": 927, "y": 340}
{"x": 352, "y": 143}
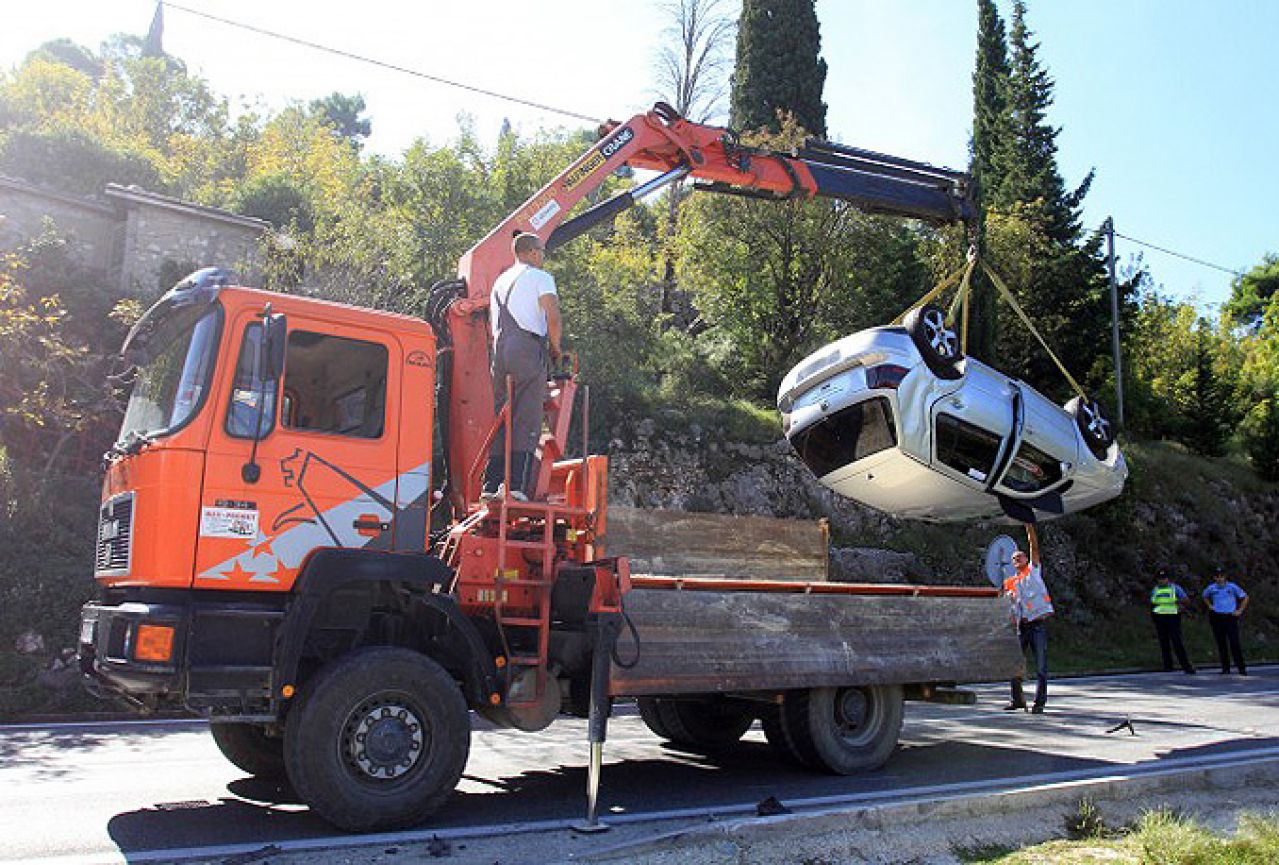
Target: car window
{"x": 1031, "y": 470}
{"x": 966, "y": 448}
{"x": 851, "y": 434}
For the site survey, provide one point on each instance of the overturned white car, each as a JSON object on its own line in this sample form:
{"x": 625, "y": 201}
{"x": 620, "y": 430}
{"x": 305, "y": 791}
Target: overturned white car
{"x": 898, "y": 419}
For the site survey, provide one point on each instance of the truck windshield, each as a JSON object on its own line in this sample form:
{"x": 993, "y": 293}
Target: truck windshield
{"x": 174, "y": 371}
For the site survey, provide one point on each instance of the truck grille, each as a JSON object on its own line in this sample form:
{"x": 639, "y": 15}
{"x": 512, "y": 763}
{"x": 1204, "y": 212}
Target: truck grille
{"x": 115, "y": 536}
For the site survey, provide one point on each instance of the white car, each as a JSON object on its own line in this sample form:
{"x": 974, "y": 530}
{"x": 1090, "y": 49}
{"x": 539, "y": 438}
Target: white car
{"x": 898, "y": 419}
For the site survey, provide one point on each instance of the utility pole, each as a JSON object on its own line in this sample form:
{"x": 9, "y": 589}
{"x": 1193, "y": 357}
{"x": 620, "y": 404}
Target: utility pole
{"x": 1109, "y": 227}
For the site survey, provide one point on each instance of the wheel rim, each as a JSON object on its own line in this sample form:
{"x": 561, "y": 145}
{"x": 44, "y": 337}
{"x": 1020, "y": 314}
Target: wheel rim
{"x": 383, "y": 739}
{"x": 1097, "y": 425}
{"x": 856, "y": 715}
{"x": 941, "y": 338}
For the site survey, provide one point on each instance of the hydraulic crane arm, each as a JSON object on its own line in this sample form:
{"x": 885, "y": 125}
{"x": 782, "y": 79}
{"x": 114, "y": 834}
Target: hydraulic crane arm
{"x": 662, "y": 141}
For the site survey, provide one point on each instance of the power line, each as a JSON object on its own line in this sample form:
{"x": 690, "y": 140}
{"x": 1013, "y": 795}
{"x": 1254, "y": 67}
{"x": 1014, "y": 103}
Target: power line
{"x": 1200, "y": 261}
{"x": 385, "y": 65}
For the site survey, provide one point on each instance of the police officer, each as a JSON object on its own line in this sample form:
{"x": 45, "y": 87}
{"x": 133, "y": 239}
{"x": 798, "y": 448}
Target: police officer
{"x": 1167, "y": 600}
{"x": 1031, "y": 607}
{"x": 524, "y": 314}
{"x": 1226, "y": 603}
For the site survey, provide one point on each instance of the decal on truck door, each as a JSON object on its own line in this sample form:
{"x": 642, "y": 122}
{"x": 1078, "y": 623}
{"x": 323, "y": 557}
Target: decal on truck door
{"x": 297, "y": 530}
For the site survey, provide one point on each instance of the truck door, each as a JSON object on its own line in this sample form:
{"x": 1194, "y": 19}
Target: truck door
{"x": 326, "y": 456}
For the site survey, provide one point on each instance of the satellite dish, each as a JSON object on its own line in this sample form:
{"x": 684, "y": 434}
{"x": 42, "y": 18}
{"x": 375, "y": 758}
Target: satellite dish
{"x": 999, "y": 560}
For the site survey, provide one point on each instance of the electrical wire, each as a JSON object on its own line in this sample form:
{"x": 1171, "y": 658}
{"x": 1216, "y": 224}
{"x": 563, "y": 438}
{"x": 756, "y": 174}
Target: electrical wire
{"x": 382, "y": 63}
{"x": 1191, "y": 258}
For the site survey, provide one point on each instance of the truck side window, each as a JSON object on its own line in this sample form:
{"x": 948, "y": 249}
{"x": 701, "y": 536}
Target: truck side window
{"x": 247, "y": 389}
{"x": 968, "y": 449}
{"x": 335, "y": 385}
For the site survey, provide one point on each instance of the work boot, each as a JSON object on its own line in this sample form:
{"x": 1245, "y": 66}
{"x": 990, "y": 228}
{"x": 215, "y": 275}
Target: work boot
{"x": 1014, "y": 707}
{"x": 1037, "y": 709}
{"x": 493, "y": 474}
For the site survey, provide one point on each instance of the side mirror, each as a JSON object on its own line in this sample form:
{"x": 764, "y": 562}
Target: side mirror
{"x": 275, "y": 329}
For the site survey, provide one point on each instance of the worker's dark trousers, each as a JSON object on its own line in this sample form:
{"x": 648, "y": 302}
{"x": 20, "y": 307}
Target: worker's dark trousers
{"x": 523, "y": 357}
{"x": 1225, "y": 630}
{"x": 1168, "y": 628}
{"x": 1034, "y": 635}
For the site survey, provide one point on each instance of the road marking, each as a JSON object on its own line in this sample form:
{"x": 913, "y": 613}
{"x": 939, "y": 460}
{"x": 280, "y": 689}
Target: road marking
{"x": 921, "y": 794}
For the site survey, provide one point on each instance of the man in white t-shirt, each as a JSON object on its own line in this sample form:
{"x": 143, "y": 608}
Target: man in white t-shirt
{"x": 524, "y": 314}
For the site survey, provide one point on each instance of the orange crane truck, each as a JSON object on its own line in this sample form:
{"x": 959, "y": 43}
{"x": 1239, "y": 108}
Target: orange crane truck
{"x": 266, "y": 560}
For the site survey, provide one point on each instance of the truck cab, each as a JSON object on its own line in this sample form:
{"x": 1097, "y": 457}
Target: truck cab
{"x": 227, "y": 474}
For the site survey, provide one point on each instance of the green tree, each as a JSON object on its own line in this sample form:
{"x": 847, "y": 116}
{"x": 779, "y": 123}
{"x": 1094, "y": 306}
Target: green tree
{"x": 1251, "y": 292}
{"x": 778, "y": 68}
{"x": 1207, "y": 398}
{"x": 341, "y": 112}
{"x": 1261, "y": 436}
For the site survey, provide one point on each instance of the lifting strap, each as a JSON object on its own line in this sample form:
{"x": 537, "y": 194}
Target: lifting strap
{"x": 959, "y": 305}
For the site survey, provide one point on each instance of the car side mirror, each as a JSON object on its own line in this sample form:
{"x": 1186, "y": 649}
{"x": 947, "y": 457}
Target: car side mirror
{"x": 275, "y": 328}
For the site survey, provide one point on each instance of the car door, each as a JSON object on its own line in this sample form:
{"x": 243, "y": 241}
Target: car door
{"x": 1046, "y": 448}
{"x": 973, "y": 428}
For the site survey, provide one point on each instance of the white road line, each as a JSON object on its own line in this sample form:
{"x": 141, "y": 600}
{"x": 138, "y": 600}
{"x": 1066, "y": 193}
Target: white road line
{"x": 927, "y": 793}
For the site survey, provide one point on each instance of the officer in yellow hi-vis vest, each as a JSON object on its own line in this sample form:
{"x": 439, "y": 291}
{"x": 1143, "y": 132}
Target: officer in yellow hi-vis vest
{"x": 1166, "y": 601}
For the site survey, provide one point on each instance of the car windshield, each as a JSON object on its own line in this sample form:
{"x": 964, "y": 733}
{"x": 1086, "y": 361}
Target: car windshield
{"x": 173, "y": 374}
{"x": 862, "y": 429}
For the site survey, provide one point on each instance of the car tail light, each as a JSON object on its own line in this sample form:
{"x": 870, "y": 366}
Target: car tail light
{"x": 154, "y": 643}
{"x": 887, "y": 375}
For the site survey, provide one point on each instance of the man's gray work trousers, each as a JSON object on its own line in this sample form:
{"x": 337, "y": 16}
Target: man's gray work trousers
{"x": 522, "y": 356}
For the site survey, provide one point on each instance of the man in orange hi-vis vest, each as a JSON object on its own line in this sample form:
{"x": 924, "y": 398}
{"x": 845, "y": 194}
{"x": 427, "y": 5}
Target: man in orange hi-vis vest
{"x": 1031, "y": 607}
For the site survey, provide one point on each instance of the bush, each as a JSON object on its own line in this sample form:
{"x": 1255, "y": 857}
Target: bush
{"x": 1261, "y": 437}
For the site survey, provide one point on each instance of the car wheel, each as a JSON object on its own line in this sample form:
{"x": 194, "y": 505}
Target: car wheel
{"x": 378, "y": 739}
{"x": 248, "y": 747}
{"x": 1096, "y": 430}
{"x": 938, "y": 344}
{"x": 843, "y": 730}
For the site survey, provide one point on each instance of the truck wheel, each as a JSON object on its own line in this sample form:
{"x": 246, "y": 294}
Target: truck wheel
{"x": 844, "y": 730}
{"x": 775, "y": 732}
{"x": 248, "y": 747}
{"x": 652, "y": 718}
{"x": 377, "y": 740}
{"x": 711, "y": 724}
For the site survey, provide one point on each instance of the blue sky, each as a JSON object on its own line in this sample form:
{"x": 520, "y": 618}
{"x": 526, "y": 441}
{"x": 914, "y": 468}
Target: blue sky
{"x": 1171, "y": 102}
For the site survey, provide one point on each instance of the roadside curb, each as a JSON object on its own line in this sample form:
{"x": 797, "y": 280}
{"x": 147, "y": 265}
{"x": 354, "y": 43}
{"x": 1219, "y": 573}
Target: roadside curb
{"x": 740, "y": 834}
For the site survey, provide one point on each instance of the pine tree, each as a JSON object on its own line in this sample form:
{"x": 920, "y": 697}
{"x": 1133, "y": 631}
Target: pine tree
{"x": 778, "y": 66}
{"x": 1207, "y": 409}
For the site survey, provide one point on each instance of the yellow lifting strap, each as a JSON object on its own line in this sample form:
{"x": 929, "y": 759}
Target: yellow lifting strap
{"x": 1012, "y": 301}
{"x": 960, "y": 304}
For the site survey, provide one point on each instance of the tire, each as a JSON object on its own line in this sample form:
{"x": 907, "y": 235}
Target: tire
{"x": 704, "y": 724}
{"x": 403, "y": 704}
{"x": 938, "y": 345}
{"x": 1096, "y": 430}
{"x": 652, "y": 718}
{"x": 248, "y": 747}
{"x": 844, "y": 730}
{"x": 775, "y": 732}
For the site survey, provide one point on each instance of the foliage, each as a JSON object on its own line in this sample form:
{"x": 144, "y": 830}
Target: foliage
{"x": 778, "y": 70}
{"x": 278, "y": 200}
{"x": 1253, "y": 291}
{"x": 341, "y": 113}
{"x": 1208, "y": 405}
{"x": 692, "y": 64}
{"x": 71, "y": 161}
{"x": 1261, "y": 436}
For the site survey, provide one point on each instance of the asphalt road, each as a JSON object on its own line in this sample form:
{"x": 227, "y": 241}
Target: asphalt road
{"x": 125, "y": 792}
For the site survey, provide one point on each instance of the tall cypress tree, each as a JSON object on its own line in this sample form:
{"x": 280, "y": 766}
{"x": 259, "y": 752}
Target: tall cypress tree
{"x": 779, "y": 67}
{"x": 992, "y": 132}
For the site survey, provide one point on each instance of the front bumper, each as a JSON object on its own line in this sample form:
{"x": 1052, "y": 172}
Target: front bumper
{"x": 219, "y": 660}
{"x": 107, "y": 646}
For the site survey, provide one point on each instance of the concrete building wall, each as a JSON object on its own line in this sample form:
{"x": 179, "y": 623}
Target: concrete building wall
{"x": 160, "y": 239}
